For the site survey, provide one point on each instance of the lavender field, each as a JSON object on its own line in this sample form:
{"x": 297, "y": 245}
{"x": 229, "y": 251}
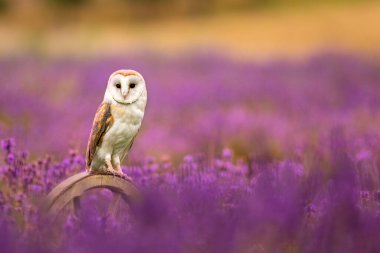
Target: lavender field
{"x": 277, "y": 156}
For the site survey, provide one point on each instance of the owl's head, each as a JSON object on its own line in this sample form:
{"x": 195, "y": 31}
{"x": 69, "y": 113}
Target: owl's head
{"x": 125, "y": 87}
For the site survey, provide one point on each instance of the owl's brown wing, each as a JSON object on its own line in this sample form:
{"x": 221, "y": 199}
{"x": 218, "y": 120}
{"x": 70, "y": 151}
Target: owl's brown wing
{"x": 102, "y": 122}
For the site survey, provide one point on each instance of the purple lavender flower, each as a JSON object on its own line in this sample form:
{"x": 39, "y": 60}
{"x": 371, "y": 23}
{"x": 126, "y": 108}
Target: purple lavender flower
{"x": 227, "y": 154}
{"x": 11, "y": 158}
{"x": 8, "y": 144}
{"x": 290, "y": 181}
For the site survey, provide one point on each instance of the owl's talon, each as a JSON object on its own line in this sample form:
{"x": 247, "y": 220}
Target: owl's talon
{"x": 110, "y": 172}
{"x": 118, "y": 174}
{"x": 124, "y": 176}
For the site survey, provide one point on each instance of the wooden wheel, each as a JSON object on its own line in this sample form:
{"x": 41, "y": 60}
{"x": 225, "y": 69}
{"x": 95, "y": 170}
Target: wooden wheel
{"x": 70, "y": 190}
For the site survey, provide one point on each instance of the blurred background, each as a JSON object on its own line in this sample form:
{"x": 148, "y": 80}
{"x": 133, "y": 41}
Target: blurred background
{"x": 261, "y": 132}
{"x": 247, "y": 29}
{"x": 263, "y": 77}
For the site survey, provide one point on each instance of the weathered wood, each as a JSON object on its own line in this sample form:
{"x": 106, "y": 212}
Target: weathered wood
{"x": 75, "y": 186}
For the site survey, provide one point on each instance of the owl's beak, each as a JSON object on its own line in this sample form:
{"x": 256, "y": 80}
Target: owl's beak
{"x": 124, "y": 93}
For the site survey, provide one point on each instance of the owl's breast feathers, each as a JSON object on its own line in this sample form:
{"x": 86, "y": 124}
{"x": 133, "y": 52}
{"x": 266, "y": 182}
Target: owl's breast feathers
{"x": 102, "y": 122}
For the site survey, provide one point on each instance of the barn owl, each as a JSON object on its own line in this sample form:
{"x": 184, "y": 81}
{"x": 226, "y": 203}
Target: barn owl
{"x": 117, "y": 122}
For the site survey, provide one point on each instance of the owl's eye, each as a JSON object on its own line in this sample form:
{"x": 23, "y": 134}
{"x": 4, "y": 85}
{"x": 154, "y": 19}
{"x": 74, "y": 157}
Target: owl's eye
{"x": 132, "y": 85}
{"x": 118, "y": 85}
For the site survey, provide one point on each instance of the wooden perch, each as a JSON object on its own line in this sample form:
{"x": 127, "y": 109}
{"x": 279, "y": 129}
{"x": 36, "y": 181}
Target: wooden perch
{"x": 70, "y": 190}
